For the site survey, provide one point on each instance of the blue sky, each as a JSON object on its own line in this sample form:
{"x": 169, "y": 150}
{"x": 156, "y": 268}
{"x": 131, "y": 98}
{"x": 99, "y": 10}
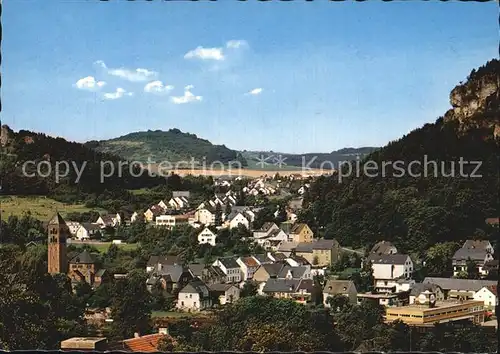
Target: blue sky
{"x": 290, "y": 77}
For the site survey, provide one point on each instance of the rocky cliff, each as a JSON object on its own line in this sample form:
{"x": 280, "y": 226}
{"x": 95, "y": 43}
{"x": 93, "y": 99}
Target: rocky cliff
{"x": 476, "y": 103}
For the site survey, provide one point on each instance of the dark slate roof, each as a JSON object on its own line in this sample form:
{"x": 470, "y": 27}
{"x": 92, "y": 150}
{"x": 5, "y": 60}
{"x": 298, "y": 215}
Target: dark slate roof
{"x": 382, "y": 247}
{"x": 297, "y": 228}
{"x": 279, "y": 256}
{"x": 305, "y": 284}
{"x": 459, "y": 284}
{"x": 493, "y": 264}
{"x": 273, "y": 269}
{"x": 315, "y": 245}
{"x": 281, "y": 286}
{"x": 297, "y": 272}
{"x": 473, "y": 254}
{"x": 419, "y": 288}
{"x": 216, "y": 271}
{"x": 388, "y": 258}
{"x": 196, "y": 286}
{"x": 83, "y": 258}
{"x": 217, "y": 287}
{"x": 299, "y": 259}
{"x": 262, "y": 258}
{"x": 334, "y": 287}
{"x": 476, "y": 245}
{"x": 57, "y": 220}
{"x": 196, "y": 269}
{"x": 266, "y": 227}
{"x": 229, "y": 262}
{"x": 174, "y": 271}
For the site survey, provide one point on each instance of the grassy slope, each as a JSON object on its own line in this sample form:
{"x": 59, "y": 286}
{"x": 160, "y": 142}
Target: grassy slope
{"x": 41, "y": 208}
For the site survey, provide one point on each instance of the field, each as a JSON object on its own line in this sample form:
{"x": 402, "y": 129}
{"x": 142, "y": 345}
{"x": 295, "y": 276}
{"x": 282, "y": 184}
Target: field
{"x": 41, "y": 208}
{"x": 244, "y": 172}
{"x": 103, "y": 247}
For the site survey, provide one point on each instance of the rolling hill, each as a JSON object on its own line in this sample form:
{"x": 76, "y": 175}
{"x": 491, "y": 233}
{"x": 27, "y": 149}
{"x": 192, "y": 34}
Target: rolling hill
{"x": 172, "y": 146}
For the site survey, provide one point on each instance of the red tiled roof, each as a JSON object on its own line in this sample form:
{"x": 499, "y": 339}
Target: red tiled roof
{"x": 493, "y": 289}
{"x": 250, "y": 261}
{"x": 144, "y": 344}
{"x": 492, "y": 221}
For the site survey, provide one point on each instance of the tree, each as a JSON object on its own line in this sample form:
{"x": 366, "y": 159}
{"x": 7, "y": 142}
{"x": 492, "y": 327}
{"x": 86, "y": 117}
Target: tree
{"x": 337, "y": 302}
{"x": 131, "y": 306}
{"x": 437, "y": 260}
{"x": 472, "y": 269}
{"x": 248, "y": 289}
{"x": 227, "y": 210}
{"x": 218, "y": 215}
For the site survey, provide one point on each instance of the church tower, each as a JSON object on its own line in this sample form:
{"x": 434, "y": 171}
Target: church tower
{"x": 58, "y": 232}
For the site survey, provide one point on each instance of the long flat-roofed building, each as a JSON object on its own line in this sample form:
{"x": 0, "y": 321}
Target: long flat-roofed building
{"x": 445, "y": 311}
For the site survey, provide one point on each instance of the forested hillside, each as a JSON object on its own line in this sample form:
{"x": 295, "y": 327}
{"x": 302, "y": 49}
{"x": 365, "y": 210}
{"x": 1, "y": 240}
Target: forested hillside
{"x": 417, "y": 211}
{"x": 172, "y": 145}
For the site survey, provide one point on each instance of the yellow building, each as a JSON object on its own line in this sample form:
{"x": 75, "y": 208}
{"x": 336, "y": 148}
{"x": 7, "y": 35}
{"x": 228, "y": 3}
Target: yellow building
{"x": 445, "y": 311}
{"x": 301, "y": 233}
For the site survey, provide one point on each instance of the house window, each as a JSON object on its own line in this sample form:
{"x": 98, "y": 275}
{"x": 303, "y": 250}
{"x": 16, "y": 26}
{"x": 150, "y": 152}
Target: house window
{"x": 194, "y": 303}
{"x": 190, "y": 296}
{"x": 182, "y": 303}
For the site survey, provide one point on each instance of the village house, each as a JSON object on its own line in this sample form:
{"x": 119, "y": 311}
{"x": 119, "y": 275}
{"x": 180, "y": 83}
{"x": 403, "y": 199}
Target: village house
{"x": 276, "y": 257}
{"x": 480, "y": 256}
{"x": 178, "y": 203}
{"x": 319, "y": 253}
{"x": 207, "y": 236}
{"x": 391, "y": 266}
{"x": 239, "y": 218}
{"x": 171, "y": 221}
{"x": 393, "y": 285}
{"x": 195, "y": 296}
{"x": 340, "y": 287}
{"x": 83, "y": 268}
{"x": 425, "y": 288}
{"x": 205, "y": 215}
{"x": 87, "y": 231}
{"x": 207, "y": 273}
{"x": 109, "y": 220}
{"x": 134, "y": 217}
{"x": 464, "y": 289}
{"x": 265, "y": 230}
{"x": 157, "y": 262}
{"x": 163, "y": 205}
{"x": 273, "y": 240}
{"x": 489, "y": 295}
{"x": 231, "y": 269}
{"x": 153, "y": 212}
{"x": 297, "y": 261}
{"x": 383, "y": 247}
{"x": 73, "y": 226}
{"x": 287, "y": 248}
{"x": 170, "y": 277}
{"x": 296, "y": 289}
{"x": 249, "y": 266}
{"x": 387, "y": 299}
{"x": 288, "y": 272}
{"x": 300, "y": 233}
{"x": 264, "y": 258}
{"x": 225, "y": 293}
{"x": 267, "y": 271}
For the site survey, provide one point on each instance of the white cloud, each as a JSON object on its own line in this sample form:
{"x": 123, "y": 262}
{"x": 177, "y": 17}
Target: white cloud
{"x": 157, "y": 87}
{"x": 119, "y": 93}
{"x": 137, "y": 75}
{"x": 187, "y": 97}
{"x": 89, "y": 83}
{"x": 255, "y": 91}
{"x": 205, "y": 54}
{"x": 236, "y": 43}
